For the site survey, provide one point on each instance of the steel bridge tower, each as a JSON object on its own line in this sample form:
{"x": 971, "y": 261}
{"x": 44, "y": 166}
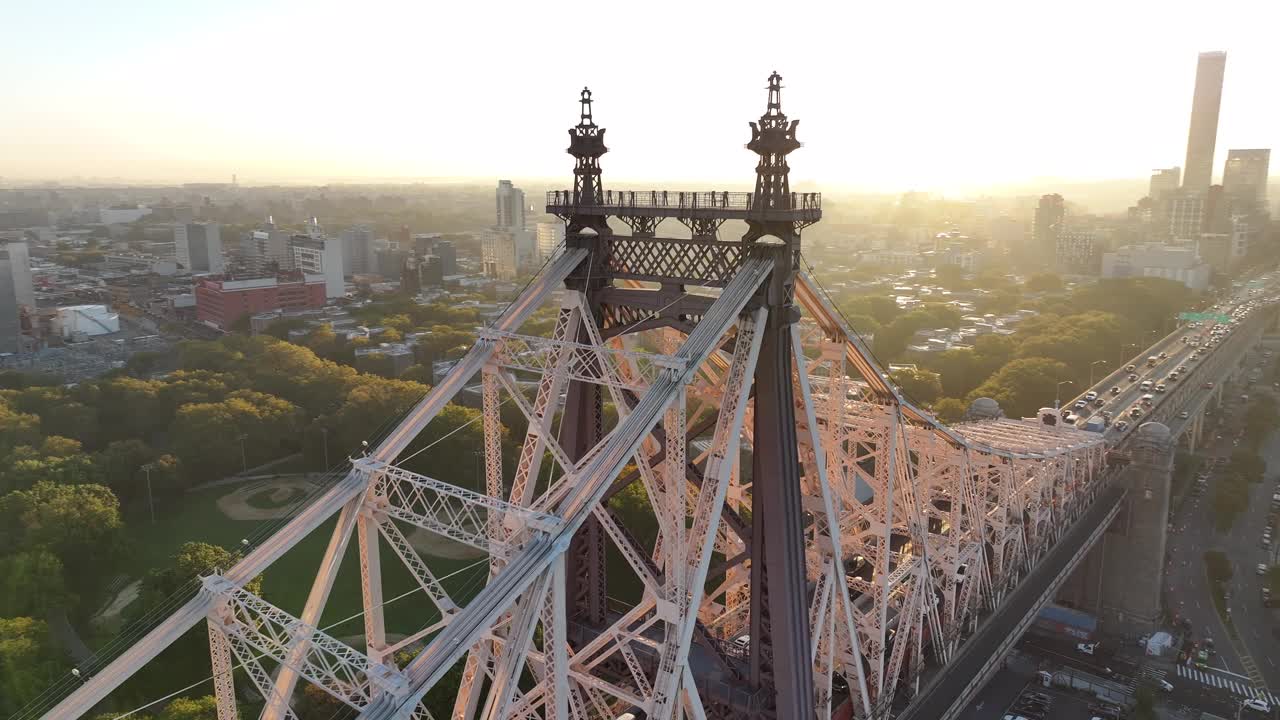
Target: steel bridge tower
{"x": 812, "y": 545}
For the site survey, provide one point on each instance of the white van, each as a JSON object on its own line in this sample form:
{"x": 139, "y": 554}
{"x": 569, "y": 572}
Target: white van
{"x": 1145, "y": 386}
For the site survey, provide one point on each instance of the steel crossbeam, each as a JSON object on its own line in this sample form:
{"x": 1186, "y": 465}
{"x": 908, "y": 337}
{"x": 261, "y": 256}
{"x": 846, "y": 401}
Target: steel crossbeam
{"x": 536, "y": 355}
{"x": 346, "y": 674}
{"x": 441, "y": 507}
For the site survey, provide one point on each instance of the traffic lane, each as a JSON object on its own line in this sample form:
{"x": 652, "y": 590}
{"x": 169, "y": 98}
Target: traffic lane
{"x": 1186, "y": 585}
{"x": 1259, "y": 626}
{"x": 1171, "y": 344}
{"x": 999, "y": 693}
{"x": 1105, "y": 663}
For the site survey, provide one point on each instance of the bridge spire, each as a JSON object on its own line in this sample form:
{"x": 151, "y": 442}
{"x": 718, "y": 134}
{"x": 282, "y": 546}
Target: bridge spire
{"x": 772, "y": 138}
{"x": 586, "y": 145}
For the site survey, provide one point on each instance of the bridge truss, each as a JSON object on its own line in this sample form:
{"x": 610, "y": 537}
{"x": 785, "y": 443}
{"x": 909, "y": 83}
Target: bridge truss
{"x": 814, "y": 543}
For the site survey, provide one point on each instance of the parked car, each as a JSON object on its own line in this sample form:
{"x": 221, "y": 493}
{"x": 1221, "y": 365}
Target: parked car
{"x": 1086, "y": 648}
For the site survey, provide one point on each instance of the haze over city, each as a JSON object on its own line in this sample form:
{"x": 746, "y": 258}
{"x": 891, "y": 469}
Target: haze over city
{"x": 934, "y": 96}
{"x": 897, "y": 361}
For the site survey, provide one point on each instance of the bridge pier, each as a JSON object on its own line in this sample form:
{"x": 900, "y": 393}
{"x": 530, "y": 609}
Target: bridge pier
{"x": 1120, "y": 581}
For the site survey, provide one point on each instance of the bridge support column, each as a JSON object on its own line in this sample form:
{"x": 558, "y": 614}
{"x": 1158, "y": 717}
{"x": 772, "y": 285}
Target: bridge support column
{"x": 1132, "y": 572}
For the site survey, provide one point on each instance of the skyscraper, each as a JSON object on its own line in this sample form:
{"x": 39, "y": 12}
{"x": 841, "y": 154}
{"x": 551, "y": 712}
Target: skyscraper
{"x": 1187, "y": 214}
{"x": 550, "y": 235}
{"x": 1164, "y": 182}
{"x": 1244, "y": 179}
{"x": 1198, "y": 169}
{"x": 198, "y": 247}
{"x": 510, "y": 208}
{"x": 357, "y": 249}
{"x": 16, "y": 293}
{"x": 1050, "y": 215}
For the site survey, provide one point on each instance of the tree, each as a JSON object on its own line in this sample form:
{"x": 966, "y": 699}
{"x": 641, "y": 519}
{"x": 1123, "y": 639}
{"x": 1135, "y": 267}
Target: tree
{"x": 1247, "y": 464}
{"x": 205, "y": 708}
{"x": 949, "y": 410}
{"x": 17, "y": 427}
{"x": 33, "y": 583}
{"x": 921, "y": 386}
{"x": 1023, "y": 386}
{"x": 27, "y": 662}
{"x": 58, "y": 460}
{"x": 120, "y": 465}
{"x": 80, "y": 524}
{"x": 206, "y": 436}
{"x": 1044, "y": 282}
{"x": 950, "y": 276}
{"x": 316, "y": 703}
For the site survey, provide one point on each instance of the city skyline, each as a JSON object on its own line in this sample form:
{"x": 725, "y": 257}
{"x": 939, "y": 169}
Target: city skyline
{"x": 926, "y": 109}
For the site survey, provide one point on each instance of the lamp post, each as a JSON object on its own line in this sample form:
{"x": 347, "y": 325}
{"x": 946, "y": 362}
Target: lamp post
{"x": 1057, "y": 389}
{"x": 244, "y": 459}
{"x": 1095, "y": 362}
{"x": 150, "y": 500}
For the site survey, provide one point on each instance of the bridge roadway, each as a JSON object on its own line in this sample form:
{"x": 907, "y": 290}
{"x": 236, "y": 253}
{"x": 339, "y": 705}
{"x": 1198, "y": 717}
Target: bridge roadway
{"x": 944, "y": 695}
{"x": 983, "y": 653}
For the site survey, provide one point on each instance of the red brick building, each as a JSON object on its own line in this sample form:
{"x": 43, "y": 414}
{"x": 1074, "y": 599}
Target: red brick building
{"x": 221, "y": 301}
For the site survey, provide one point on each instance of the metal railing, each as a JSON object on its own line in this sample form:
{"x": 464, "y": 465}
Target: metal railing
{"x": 680, "y": 200}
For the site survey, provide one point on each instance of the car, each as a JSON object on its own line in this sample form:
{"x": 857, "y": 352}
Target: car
{"x": 1130, "y": 368}
{"x": 1160, "y": 387}
{"x": 1099, "y": 402}
{"x": 1081, "y": 405}
{"x": 1257, "y": 704}
{"x": 1133, "y": 377}
{"x": 1135, "y": 412}
{"x": 1173, "y": 377}
{"x": 1115, "y": 390}
{"x": 1207, "y": 386}
{"x": 1122, "y": 425}
{"x": 1182, "y": 368}
{"x": 1091, "y": 396}
{"x": 1164, "y": 355}
{"x": 1184, "y": 414}
{"x": 1086, "y": 648}
{"x": 1166, "y": 686}
{"x": 1261, "y": 569}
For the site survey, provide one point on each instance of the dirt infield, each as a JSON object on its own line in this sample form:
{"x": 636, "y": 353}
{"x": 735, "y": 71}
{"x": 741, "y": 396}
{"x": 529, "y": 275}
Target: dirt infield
{"x": 236, "y": 504}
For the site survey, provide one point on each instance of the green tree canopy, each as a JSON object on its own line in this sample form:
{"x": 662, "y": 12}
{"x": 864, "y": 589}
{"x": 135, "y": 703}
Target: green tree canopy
{"x": 921, "y": 386}
{"x": 28, "y": 660}
{"x": 1023, "y": 386}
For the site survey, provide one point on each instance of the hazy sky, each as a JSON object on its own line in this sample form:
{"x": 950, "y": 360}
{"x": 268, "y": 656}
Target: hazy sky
{"x": 891, "y": 95}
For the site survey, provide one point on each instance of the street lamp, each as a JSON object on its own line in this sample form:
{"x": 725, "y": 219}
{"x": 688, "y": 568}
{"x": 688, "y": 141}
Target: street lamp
{"x": 244, "y": 459}
{"x": 150, "y": 500}
{"x": 1095, "y": 362}
{"x": 1057, "y": 390}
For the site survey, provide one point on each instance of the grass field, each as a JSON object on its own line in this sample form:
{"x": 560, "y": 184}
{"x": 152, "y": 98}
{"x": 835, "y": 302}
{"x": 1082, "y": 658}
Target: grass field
{"x": 287, "y": 582}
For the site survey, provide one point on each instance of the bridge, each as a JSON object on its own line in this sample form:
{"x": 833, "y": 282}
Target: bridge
{"x": 824, "y": 547}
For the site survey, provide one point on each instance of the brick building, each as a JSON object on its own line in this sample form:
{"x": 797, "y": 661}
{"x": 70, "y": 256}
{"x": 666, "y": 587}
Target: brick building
{"x": 221, "y": 301}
